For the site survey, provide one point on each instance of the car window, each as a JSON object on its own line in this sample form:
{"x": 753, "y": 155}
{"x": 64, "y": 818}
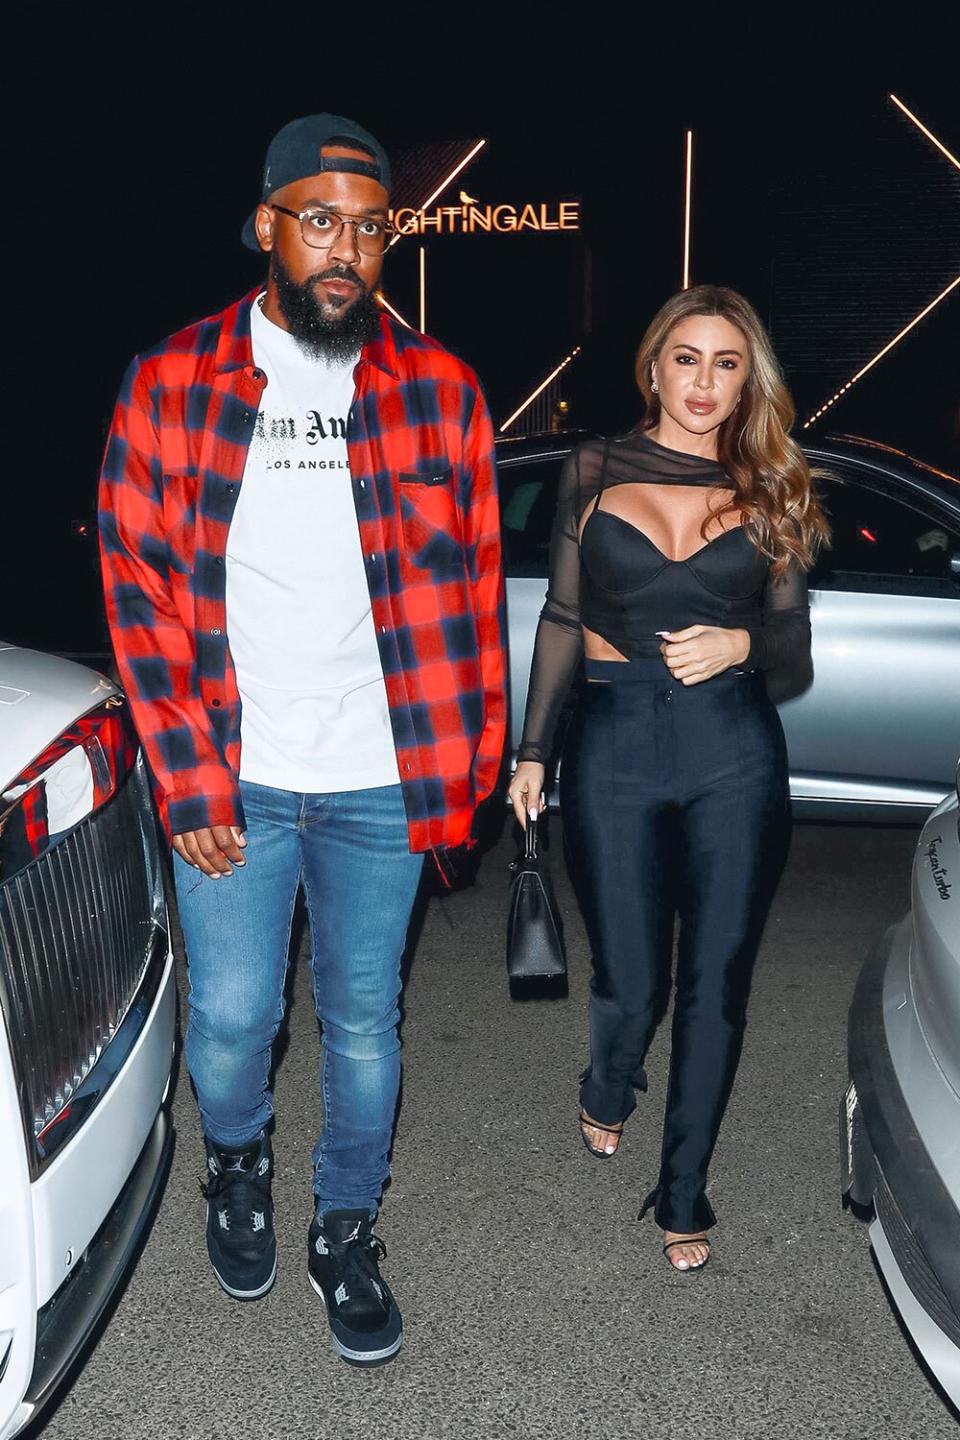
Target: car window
{"x": 882, "y": 543}
{"x": 528, "y": 501}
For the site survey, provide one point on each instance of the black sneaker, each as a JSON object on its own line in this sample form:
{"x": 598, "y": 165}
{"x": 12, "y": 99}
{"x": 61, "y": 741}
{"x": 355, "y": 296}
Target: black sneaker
{"x": 344, "y": 1260}
{"x": 240, "y": 1238}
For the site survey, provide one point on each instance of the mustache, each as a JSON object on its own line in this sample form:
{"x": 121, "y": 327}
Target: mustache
{"x": 338, "y": 272}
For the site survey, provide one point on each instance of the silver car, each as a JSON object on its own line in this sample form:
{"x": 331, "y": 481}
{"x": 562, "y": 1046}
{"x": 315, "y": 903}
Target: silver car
{"x": 900, "y": 1116}
{"x": 876, "y": 735}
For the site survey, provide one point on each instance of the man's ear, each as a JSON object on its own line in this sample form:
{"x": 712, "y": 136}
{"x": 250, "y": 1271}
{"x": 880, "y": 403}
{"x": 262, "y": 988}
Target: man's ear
{"x": 263, "y": 221}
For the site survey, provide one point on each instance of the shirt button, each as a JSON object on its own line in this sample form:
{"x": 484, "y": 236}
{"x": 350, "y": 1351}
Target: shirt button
{"x": 247, "y": 417}
{"x": 383, "y": 629}
{"x": 258, "y": 374}
{"x": 363, "y": 484}
{"x": 215, "y": 631}
{"x": 215, "y": 704}
{"x": 230, "y": 489}
{"x": 219, "y": 559}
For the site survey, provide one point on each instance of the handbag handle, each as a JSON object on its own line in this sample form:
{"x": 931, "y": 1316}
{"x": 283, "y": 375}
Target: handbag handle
{"x": 530, "y": 839}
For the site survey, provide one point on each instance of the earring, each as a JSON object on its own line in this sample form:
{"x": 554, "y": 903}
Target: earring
{"x": 654, "y": 387}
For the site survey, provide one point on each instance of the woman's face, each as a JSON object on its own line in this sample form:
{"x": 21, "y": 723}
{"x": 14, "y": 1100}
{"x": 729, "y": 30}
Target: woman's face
{"x": 700, "y": 372}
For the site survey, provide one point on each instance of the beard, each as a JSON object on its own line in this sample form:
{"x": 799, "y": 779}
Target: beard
{"x": 338, "y": 337}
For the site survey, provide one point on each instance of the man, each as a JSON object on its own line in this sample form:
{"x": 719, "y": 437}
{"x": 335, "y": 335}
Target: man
{"x": 301, "y": 556}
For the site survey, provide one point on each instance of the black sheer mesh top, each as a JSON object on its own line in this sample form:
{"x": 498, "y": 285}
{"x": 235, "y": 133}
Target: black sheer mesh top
{"x": 608, "y": 576}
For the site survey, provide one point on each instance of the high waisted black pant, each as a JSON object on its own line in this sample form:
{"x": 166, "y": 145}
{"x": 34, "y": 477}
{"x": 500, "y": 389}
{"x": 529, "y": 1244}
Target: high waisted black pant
{"x": 674, "y": 802}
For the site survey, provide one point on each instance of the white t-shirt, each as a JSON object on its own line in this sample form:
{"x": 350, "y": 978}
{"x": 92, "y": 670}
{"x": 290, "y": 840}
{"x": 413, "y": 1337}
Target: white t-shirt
{"x": 301, "y": 633}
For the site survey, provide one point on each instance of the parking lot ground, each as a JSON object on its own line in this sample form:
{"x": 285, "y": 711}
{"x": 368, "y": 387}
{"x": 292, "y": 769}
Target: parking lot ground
{"x": 535, "y": 1304}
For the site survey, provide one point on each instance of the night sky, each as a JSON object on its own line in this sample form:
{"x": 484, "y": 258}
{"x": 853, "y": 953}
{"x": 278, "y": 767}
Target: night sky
{"x": 142, "y": 151}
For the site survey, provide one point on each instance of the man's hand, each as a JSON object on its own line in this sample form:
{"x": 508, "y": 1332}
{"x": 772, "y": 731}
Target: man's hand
{"x": 702, "y": 651}
{"x": 211, "y": 849}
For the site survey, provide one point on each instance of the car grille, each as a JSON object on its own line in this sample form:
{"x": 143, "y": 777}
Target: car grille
{"x": 913, "y": 1263}
{"x": 76, "y": 927}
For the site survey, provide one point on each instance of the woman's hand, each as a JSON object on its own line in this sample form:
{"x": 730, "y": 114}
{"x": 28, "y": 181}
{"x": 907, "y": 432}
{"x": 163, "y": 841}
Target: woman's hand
{"x": 702, "y": 651}
{"x": 526, "y": 790}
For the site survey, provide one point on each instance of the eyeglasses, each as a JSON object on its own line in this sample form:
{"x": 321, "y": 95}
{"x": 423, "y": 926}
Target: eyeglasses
{"x": 323, "y": 228}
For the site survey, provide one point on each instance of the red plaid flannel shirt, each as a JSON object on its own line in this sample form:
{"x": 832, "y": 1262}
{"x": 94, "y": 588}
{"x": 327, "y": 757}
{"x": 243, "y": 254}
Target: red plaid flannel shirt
{"x": 421, "y": 455}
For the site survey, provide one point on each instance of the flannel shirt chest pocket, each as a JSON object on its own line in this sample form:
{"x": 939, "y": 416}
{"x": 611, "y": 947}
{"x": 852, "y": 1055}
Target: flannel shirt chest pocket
{"x": 429, "y": 517}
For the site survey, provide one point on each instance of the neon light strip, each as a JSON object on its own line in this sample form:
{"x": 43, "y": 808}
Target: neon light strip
{"x": 540, "y": 388}
{"x": 423, "y": 289}
{"x": 381, "y": 299}
{"x": 439, "y": 190}
{"x": 686, "y": 213}
{"x": 880, "y": 353}
{"x": 923, "y": 129}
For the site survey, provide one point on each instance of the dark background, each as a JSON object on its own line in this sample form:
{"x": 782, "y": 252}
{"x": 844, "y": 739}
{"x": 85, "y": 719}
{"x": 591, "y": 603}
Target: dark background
{"x": 142, "y": 150}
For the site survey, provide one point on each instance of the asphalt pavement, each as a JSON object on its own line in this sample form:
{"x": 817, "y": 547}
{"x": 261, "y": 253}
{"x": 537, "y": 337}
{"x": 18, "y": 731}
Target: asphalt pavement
{"x": 535, "y": 1305}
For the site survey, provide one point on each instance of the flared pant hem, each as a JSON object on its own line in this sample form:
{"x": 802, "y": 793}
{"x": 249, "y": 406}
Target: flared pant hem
{"x": 687, "y": 1219}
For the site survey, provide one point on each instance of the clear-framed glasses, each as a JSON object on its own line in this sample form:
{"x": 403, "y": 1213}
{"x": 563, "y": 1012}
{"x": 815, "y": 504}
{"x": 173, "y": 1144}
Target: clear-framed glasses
{"x": 323, "y": 228}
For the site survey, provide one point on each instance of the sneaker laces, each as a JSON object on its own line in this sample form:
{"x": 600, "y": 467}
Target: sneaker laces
{"x": 358, "y": 1258}
{"x": 241, "y": 1196}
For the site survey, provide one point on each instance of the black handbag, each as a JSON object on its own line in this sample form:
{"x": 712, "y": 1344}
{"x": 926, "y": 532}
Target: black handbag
{"x": 535, "y": 948}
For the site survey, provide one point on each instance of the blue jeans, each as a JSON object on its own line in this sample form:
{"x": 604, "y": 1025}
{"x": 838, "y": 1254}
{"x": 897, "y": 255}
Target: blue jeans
{"x": 352, "y": 854}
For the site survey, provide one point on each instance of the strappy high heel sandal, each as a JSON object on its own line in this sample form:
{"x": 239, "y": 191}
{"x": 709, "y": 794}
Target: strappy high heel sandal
{"x": 587, "y": 1124}
{"x": 688, "y": 1240}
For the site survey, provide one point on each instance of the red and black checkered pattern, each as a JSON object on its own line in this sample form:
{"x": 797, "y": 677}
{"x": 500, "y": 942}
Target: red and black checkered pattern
{"x": 421, "y": 456}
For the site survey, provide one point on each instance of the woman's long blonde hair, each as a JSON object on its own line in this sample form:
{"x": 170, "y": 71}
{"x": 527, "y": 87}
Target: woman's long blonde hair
{"x": 771, "y": 477}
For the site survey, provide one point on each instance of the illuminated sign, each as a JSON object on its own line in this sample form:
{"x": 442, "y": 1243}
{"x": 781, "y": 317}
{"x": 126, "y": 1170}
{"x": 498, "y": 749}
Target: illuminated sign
{"x": 470, "y": 217}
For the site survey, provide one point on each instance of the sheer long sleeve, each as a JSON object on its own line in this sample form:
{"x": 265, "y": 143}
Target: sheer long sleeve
{"x": 782, "y": 637}
{"x": 559, "y": 642}
{"x": 627, "y": 591}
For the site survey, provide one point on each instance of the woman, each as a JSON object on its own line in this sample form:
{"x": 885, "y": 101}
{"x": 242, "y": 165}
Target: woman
{"x": 677, "y": 571}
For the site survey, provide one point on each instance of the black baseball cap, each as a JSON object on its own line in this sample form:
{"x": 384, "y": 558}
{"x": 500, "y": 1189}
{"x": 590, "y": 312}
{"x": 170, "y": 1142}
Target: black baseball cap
{"x": 296, "y": 152}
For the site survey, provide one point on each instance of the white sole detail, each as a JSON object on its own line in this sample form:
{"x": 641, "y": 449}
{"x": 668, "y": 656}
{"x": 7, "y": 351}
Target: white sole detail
{"x": 246, "y": 1294}
{"x": 359, "y": 1357}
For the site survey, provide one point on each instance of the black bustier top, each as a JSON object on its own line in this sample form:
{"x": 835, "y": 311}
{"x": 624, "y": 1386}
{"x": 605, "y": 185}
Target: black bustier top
{"x": 612, "y": 579}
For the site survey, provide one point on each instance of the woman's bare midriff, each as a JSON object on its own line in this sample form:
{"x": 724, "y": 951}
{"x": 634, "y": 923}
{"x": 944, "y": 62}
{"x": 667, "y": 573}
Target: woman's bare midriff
{"x": 596, "y": 648}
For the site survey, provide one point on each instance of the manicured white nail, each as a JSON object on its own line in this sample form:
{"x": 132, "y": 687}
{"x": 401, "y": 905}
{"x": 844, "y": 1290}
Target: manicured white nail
{"x": 533, "y": 813}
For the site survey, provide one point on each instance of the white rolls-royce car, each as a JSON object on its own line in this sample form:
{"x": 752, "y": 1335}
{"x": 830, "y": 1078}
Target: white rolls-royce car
{"x": 87, "y": 1016}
